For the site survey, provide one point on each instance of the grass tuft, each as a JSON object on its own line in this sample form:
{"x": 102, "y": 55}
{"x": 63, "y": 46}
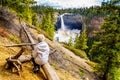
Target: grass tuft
{"x": 77, "y": 52}
{"x": 15, "y": 39}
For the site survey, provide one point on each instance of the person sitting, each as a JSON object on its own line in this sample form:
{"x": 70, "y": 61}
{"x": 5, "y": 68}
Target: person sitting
{"x": 40, "y": 53}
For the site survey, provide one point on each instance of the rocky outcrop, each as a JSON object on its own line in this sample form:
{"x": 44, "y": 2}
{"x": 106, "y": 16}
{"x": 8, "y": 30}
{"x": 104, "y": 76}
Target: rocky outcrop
{"x": 7, "y": 20}
{"x": 94, "y": 25}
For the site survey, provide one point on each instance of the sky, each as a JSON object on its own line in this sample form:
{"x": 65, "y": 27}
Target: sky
{"x": 63, "y": 4}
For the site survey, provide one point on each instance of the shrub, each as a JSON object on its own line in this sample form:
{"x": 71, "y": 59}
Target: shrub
{"x": 78, "y": 52}
{"x": 15, "y": 39}
{"x": 81, "y": 71}
{"x": 54, "y": 64}
{"x": 93, "y": 64}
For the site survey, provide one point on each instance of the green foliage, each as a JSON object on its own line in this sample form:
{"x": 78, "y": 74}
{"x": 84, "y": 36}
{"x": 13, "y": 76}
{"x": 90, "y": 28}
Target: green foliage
{"x": 54, "y": 64}
{"x": 78, "y": 52}
{"x": 89, "y": 29}
{"x": 81, "y": 41}
{"x": 47, "y": 24}
{"x": 70, "y": 42}
{"x": 15, "y": 39}
{"x": 92, "y": 64}
{"x": 87, "y": 12}
{"x": 90, "y": 42}
{"x": 42, "y": 9}
{"x": 107, "y": 49}
{"x": 115, "y": 73}
{"x": 35, "y": 20}
{"x": 22, "y": 8}
{"x": 82, "y": 73}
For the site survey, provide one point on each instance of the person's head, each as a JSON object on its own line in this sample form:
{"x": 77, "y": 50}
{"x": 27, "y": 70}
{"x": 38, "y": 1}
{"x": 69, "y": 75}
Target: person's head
{"x": 41, "y": 37}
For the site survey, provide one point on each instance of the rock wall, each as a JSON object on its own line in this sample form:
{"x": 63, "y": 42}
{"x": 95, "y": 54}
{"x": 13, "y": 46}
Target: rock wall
{"x": 71, "y": 21}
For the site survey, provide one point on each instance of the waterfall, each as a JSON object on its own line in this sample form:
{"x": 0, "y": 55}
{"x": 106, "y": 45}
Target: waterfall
{"x": 64, "y": 34}
{"x": 63, "y": 27}
{"x": 62, "y": 22}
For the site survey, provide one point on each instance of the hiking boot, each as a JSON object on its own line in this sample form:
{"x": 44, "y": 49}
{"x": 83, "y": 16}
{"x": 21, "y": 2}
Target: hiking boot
{"x": 36, "y": 66}
{"x": 36, "y": 69}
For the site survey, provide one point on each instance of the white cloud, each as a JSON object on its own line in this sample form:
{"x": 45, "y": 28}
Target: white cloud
{"x": 69, "y": 3}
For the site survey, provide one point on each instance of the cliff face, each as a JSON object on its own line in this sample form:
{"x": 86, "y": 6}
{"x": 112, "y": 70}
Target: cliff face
{"x": 71, "y": 22}
{"x": 96, "y": 22}
{"x": 9, "y": 21}
{"x": 94, "y": 25}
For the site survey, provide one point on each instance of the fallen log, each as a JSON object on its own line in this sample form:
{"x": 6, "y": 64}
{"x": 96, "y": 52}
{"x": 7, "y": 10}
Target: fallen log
{"x": 19, "y": 45}
{"x": 25, "y": 58}
{"x": 50, "y": 73}
{"x": 14, "y": 63}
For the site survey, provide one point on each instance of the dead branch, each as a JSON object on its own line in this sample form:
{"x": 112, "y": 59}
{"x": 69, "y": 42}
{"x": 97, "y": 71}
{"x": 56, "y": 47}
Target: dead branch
{"x": 19, "y": 45}
{"x": 13, "y": 62}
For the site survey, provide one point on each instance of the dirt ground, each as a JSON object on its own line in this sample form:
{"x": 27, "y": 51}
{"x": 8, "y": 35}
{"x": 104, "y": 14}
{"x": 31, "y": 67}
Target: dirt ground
{"x": 5, "y": 52}
{"x": 26, "y": 73}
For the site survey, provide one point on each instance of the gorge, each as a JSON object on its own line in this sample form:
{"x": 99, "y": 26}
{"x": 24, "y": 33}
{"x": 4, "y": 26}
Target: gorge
{"x": 68, "y": 26}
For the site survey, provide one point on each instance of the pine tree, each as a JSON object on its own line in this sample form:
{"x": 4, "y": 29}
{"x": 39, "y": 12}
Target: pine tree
{"x": 107, "y": 49}
{"x": 51, "y": 27}
{"x": 35, "y": 20}
{"x": 21, "y": 7}
{"x": 47, "y": 24}
{"x": 81, "y": 41}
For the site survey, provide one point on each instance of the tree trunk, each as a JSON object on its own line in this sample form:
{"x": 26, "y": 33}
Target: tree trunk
{"x": 105, "y": 76}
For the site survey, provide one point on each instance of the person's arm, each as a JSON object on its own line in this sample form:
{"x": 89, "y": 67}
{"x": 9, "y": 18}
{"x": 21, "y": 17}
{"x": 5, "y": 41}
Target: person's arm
{"x": 35, "y": 52}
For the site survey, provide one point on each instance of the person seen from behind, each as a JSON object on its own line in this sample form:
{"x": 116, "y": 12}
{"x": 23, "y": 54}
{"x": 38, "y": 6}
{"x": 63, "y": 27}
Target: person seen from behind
{"x": 40, "y": 53}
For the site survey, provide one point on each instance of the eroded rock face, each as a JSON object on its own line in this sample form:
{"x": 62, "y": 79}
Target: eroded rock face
{"x": 60, "y": 61}
{"x": 10, "y": 22}
{"x": 95, "y": 24}
{"x": 71, "y": 21}
{"x": 7, "y": 21}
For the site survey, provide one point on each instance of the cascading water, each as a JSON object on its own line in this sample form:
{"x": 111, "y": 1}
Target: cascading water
{"x": 63, "y": 34}
{"x": 62, "y": 22}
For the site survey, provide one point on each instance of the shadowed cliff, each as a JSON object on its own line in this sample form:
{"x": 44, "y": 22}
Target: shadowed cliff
{"x": 71, "y": 22}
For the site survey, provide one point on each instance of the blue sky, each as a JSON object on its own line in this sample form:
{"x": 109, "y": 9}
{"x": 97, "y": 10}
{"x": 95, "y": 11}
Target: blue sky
{"x": 69, "y": 3}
